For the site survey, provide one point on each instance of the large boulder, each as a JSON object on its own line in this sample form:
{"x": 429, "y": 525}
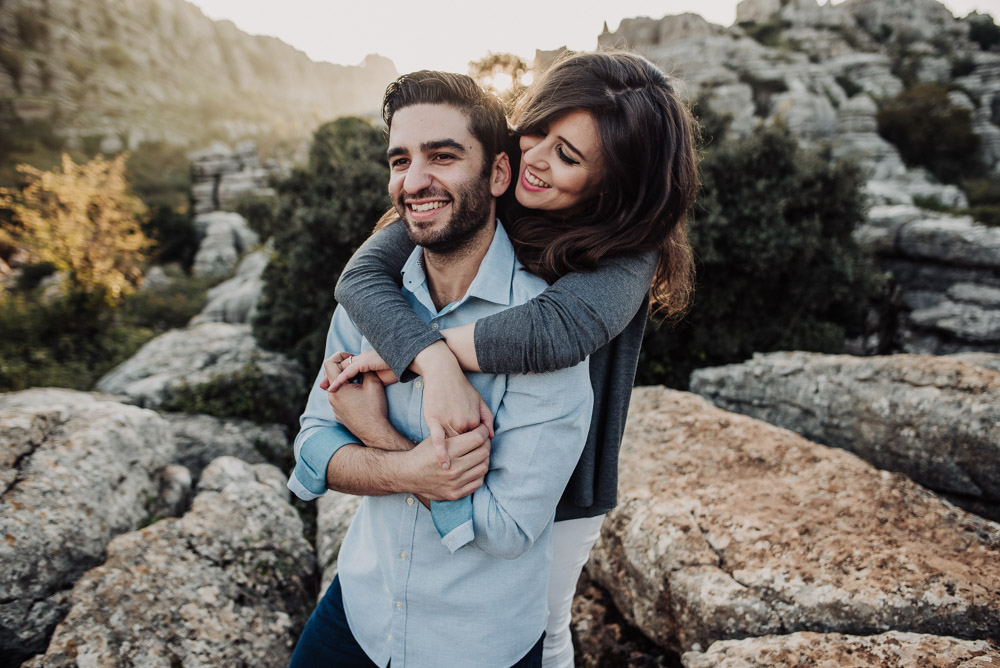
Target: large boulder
{"x": 77, "y": 471}
{"x": 836, "y": 650}
{"x": 334, "y": 512}
{"x": 225, "y": 236}
{"x": 235, "y": 300}
{"x": 227, "y": 584}
{"x": 202, "y": 438}
{"x": 193, "y": 356}
{"x": 933, "y": 418}
{"x": 728, "y": 527}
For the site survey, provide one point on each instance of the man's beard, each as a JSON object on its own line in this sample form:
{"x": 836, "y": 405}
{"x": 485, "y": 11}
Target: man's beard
{"x": 470, "y": 213}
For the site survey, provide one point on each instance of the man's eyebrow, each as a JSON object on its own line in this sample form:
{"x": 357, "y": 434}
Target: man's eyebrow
{"x": 443, "y": 143}
{"x": 394, "y": 151}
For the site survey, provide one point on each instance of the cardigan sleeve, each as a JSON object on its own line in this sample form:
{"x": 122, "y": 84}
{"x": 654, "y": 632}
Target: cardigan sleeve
{"x": 571, "y": 319}
{"x": 369, "y": 290}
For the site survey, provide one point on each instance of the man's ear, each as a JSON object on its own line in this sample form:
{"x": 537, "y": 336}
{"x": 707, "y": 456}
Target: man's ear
{"x": 500, "y": 175}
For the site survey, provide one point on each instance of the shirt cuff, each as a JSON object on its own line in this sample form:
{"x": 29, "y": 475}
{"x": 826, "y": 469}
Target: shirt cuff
{"x": 453, "y": 521}
{"x": 308, "y": 479}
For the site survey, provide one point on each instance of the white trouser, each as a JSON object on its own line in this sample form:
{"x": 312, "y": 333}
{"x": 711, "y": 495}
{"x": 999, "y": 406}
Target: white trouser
{"x": 571, "y": 543}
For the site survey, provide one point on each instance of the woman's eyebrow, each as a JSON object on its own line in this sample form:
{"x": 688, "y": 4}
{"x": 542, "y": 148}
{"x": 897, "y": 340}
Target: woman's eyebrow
{"x": 571, "y": 147}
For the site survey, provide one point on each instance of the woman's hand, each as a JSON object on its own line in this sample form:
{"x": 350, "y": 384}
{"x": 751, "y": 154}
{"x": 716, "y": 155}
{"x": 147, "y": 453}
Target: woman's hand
{"x": 452, "y": 405}
{"x": 348, "y": 366}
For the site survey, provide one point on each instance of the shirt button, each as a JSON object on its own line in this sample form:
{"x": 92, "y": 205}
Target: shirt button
{"x": 418, "y": 384}
{"x": 399, "y": 606}
{"x": 435, "y": 325}
{"x": 409, "y": 500}
{"x": 389, "y": 638}
{"x": 403, "y": 555}
{"x": 415, "y": 439}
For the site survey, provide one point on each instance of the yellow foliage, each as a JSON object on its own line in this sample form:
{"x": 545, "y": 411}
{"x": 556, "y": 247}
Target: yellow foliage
{"x": 83, "y": 221}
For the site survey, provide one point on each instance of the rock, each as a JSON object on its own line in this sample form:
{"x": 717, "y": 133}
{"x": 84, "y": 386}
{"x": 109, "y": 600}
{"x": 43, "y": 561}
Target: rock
{"x": 956, "y": 241}
{"x": 334, "y": 512}
{"x": 933, "y": 418}
{"x": 192, "y": 356}
{"x": 236, "y": 300}
{"x": 175, "y": 492}
{"x": 202, "y": 438}
{"x": 988, "y": 360}
{"x": 227, "y": 584}
{"x": 836, "y": 650}
{"x": 77, "y": 472}
{"x": 224, "y": 237}
{"x": 728, "y": 527}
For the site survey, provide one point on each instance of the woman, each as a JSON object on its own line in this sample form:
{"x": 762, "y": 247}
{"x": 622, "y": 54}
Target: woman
{"x": 606, "y": 178}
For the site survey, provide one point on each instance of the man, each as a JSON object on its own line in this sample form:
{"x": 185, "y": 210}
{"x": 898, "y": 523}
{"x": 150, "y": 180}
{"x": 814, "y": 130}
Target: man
{"x": 414, "y": 586}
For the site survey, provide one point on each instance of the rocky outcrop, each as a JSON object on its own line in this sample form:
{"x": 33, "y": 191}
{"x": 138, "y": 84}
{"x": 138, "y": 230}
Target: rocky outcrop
{"x": 731, "y": 528}
{"x": 227, "y": 584}
{"x": 193, "y": 356}
{"x": 235, "y": 300}
{"x": 887, "y": 650}
{"x": 933, "y": 418}
{"x": 225, "y": 236}
{"x": 201, "y": 439}
{"x": 334, "y": 512}
{"x": 222, "y": 175}
{"x": 77, "y": 471}
{"x": 119, "y": 74}
{"x": 948, "y": 270}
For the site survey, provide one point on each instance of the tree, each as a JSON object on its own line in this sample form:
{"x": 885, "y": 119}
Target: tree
{"x": 778, "y": 268}
{"x": 82, "y": 220}
{"x": 504, "y": 73}
{"x": 324, "y": 213}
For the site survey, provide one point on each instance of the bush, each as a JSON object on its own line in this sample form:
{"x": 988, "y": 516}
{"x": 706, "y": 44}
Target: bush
{"x": 931, "y": 132}
{"x": 160, "y": 174}
{"x": 325, "y": 212}
{"x": 174, "y": 236}
{"x": 261, "y": 213}
{"x": 778, "y": 268}
{"x": 984, "y": 32}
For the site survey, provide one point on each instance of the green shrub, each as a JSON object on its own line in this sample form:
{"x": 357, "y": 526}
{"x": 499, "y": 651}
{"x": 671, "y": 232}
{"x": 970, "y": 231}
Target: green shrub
{"x": 325, "y": 212}
{"x": 984, "y": 32}
{"x": 777, "y": 266}
{"x": 261, "y": 213}
{"x": 249, "y": 394}
{"x": 931, "y": 132}
{"x": 174, "y": 235}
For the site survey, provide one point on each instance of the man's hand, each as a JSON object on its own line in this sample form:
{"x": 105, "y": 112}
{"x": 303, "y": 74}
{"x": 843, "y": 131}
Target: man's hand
{"x": 342, "y": 367}
{"x": 469, "y": 454}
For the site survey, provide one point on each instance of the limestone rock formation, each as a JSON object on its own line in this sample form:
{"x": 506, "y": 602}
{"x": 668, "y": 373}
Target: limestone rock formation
{"x": 227, "y": 584}
{"x": 334, "y": 512}
{"x": 730, "y": 528}
{"x": 836, "y": 650}
{"x": 933, "y": 418}
{"x": 225, "y": 236}
{"x": 192, "y": 356}
{"x": 77, "y": 471}
{"x": 201, "y": 439}
{"x": 235, "y": 300}
{"x": 949, "y": 272}
{"x": 222, "y": 175}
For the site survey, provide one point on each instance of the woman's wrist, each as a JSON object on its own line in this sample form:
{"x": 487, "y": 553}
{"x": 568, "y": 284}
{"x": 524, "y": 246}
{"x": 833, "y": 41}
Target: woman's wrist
{"x": 435, "y": 358}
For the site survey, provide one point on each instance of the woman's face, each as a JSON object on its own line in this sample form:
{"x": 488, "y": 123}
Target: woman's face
{"x": 561, "y": 166}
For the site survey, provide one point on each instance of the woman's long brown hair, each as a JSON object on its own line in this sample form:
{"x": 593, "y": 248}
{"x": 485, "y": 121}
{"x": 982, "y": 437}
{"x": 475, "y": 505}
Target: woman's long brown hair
{"x": 647, "y": 138}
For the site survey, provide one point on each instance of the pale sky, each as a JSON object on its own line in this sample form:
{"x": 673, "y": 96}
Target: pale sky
{"x": 447, "y": 34}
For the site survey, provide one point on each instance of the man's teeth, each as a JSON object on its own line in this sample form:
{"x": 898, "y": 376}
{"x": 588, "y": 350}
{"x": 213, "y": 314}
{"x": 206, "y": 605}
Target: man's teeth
{"x": 535, "y": 181}
{"x": 429, "y": 206}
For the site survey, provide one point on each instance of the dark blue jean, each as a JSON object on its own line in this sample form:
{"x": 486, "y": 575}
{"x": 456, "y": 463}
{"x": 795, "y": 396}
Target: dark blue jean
{"x": 327, "y": 639}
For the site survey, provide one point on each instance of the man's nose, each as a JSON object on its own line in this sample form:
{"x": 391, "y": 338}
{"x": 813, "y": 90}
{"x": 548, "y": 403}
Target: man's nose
{"x": 417, "y": 178}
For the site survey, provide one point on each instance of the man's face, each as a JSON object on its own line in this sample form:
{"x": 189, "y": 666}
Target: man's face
{"x": 438, "y": 179}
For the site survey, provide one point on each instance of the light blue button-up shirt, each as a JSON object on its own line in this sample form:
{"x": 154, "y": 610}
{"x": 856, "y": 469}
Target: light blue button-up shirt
{"x": 408, "y": 597}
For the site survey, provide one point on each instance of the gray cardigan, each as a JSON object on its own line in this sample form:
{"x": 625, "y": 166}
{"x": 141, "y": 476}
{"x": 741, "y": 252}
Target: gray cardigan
{"x": 600, "y": 313}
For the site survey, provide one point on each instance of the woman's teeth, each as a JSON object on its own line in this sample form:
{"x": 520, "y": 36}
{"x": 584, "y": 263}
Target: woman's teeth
{"x": 534, "y": 180}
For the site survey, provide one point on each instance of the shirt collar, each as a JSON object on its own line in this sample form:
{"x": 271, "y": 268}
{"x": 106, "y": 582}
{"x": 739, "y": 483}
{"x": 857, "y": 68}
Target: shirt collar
{"x": 492, "y": 282}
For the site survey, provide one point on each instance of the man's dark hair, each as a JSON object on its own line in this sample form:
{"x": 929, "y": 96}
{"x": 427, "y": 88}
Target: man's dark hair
{"x": 487, "y": 122}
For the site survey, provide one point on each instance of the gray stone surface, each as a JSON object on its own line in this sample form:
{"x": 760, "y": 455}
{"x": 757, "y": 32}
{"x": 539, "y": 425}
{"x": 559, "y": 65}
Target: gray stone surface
{"x": 235, "y": 300}
{"x": 228, "y": 584}
{"x": 933, "y": 418}
{"x": 77, "y": 471}
{"x": 191, "y": 356}
{"x": 202, "y": 438}
{"x": 334, "y": 512}
{"x": 225, "y": 237}
{"x": 728, "y": 528}
{"x": 836, "y": 650}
